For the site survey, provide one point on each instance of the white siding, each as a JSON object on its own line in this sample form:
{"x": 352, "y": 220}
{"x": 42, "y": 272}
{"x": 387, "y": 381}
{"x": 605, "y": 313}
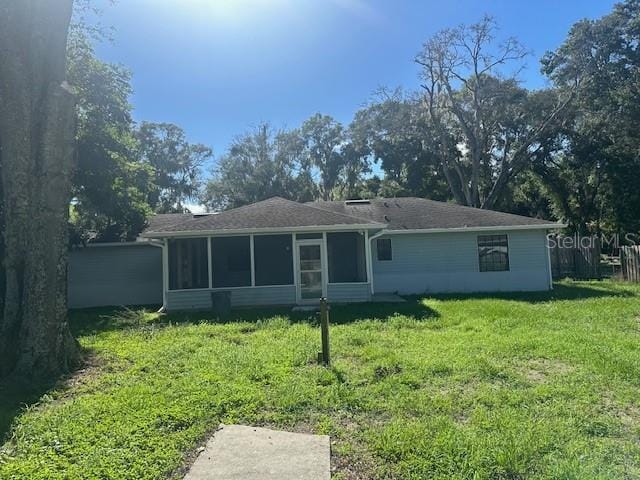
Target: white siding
{"x": 448, "y": 262}
{"x": 263, "y": 296}
{"x": 115, "y": 275}
{"x": 345, "y": 292}
{"x": 240, "y": 297}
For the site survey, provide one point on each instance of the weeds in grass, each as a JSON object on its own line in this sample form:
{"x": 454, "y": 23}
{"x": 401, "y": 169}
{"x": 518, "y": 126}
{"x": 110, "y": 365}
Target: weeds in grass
{"x": 514, "y": 386}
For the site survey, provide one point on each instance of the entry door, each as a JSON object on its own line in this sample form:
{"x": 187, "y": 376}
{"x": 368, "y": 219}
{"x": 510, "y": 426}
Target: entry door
{"x": 311, "y": 281}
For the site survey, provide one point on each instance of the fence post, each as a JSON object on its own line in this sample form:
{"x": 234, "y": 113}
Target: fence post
{"x": 324, "y": 329}
{"x": 630, "y": 263}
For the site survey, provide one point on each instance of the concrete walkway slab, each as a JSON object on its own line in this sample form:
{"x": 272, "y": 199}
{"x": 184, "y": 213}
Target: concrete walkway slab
{"x": 252, "y": 453}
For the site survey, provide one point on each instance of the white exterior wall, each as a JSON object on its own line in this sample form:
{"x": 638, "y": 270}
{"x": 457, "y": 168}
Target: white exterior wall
{"x": 422, "y": 263}
{"x": 200, "y": 299}
{"x": 448, "y": 262}
{"x": 113, "y": 275}
{"x": 347, "y": 293}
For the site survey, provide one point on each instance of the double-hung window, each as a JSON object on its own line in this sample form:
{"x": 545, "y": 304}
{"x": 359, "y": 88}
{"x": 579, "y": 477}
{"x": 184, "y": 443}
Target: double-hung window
{"x": 493, "y": 253}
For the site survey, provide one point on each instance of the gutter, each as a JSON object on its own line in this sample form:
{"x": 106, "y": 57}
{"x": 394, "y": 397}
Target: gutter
{"x": 543, "y": 226}
{"x": 369, "y": 259}
{"x": 266, "y": 230}
{"x": 137, "y": 243}
{"x": 548, "y": 250}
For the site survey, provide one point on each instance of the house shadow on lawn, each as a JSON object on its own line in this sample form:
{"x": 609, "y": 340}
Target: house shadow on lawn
{"x": 339, "y": 313}
{"x": 560, "y": 292}
{"x": 94, "y": 321}
{"x": 414, "y": 306}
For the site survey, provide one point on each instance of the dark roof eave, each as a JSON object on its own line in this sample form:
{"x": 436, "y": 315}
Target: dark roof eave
{"x": 483, "y": 228}
{"x": 264, "y": 230}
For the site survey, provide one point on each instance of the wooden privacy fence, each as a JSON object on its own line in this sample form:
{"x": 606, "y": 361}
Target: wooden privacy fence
{"x": 630, "y": 263}
{"x": 575, "y": 257}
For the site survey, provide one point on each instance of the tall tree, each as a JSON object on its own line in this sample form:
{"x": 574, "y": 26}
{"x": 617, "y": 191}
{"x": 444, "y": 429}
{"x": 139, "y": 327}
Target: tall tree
{"x": 37, "y": 126}
{"x": 355, "y": 165}
{"x": 600, "y": 155}
{"x": 474, "y": 106}
{"x": 396, "y": 132}
{"x": 110, "y": 187}
{"x": 259, "y": 165}
{"x": 323, "y": 138}
{"x": 2, "y": 267}
{"x": 176, "y": 162}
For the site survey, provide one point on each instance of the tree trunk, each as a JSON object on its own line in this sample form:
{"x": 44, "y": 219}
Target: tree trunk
{"x": 37, "y": 134}
{"x": 2, "y": 276}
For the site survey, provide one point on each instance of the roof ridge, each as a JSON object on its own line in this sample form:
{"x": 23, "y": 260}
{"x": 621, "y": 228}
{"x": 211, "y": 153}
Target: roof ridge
{"x": 476, "y": 211}
{"x": 307, "y": 204}
{"x": 466, "y": 207}
{"x": 243, "y": 207}
{"x": 300, "y": 204}
{"x": 480, "y": 209}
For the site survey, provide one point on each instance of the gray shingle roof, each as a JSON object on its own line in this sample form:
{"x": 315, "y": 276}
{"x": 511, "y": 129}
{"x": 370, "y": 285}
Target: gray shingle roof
{"x": 411, "y": 213}
{"x": 396, "y": 213}
{"x": 276, "y": 213}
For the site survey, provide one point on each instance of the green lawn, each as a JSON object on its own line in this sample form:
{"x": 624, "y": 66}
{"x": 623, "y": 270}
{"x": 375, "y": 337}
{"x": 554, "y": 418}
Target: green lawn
{"x": 543, "y": 386}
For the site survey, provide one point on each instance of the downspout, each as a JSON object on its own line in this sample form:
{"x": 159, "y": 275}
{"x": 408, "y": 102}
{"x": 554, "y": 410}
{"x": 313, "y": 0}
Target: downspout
{"x": 162, "y": 245}
{"x": 369, "y": 259}
{"x": 548, "y": 247}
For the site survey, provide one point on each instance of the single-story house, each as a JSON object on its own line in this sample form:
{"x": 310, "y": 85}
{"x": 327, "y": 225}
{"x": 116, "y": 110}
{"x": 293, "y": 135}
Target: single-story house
{"x": 280, "y": 252}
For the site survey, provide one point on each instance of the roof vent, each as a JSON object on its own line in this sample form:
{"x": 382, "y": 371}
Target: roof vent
{"x": 204, "y": 214}
{"x": 357, "y": 202}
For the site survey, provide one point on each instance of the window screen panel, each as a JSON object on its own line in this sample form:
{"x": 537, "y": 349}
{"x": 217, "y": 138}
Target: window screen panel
{"x": 231, "y": 261}
{"x": 383, "y": 247}
{"x": 273, "y": 258}
{"x": 493, "y": 253}
{"x": 346, "y": 257}
{"x": 188, "y": 264}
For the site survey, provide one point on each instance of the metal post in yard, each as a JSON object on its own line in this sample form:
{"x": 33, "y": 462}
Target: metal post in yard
{"x": 324, "y": 329}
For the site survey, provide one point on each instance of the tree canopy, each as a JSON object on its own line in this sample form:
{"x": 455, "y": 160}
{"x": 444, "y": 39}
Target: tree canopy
{"x": 472, "y": 134}
{"x": 476, "y": 136}
{"x": 125, "y": 171}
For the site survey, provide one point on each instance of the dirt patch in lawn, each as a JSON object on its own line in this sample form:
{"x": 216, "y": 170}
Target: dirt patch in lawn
{"x": 628, "y": 414}
{"x": 350, "y": 459}
{"x": 538, "y": 370}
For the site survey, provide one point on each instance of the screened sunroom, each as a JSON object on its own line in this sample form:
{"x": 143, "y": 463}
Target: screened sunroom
{"x": 281, "y": 252}
{"x": 269, "y": 268}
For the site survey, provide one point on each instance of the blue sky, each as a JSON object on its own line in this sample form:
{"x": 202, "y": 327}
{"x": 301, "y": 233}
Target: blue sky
{"x": 219, "y": 67}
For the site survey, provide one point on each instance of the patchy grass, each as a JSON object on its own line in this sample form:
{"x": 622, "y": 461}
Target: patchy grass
{"x": 517, "y": 386}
